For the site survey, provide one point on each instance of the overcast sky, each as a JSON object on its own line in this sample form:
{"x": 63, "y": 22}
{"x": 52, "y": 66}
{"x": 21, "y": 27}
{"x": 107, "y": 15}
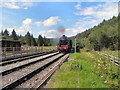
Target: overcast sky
{"x": 46, "y": 17}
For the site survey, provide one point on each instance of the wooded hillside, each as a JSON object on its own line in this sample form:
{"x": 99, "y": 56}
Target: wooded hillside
{"x": 104, "y": 35}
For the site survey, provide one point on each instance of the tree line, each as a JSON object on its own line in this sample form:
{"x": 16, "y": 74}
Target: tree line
{"x": 28, "y": 39}
{"x": 104, "y": 35}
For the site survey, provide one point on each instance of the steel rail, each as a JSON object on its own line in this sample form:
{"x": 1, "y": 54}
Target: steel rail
{"x": 28, "y": 76}
{"x": 25, "y": 58}
{"x": 24, "y": 65}
{"x": 45, "y": 78}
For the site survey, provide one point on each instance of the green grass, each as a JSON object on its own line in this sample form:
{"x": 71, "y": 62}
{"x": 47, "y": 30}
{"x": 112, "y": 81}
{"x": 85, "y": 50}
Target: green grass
{"x": 105, "y": 69}
{"x": 68, "y": 78}
{"x": 49, "y": 47}
{"x": 109, "y": 52}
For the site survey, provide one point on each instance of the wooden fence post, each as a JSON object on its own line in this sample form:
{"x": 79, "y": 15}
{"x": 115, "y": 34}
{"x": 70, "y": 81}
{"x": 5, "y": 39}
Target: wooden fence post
{"x": 39, "y": 49}
{"x": 14, "y": 51}
{"x": 5, "y": 52}
{"x": 27, "y": 50}
{"x": 33, "y": 49}
{"x": 30, "y": 50}
{"x": 36, "y": 49}
{"x": 21, "y": 50}
{"x": 108, "y": 56}
{"x": 113, "y": 60}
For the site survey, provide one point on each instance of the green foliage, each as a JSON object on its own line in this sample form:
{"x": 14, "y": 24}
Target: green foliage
{"x": 54, "y": 41}
{"x": 28, "y": 39}
{"x": 6, "y": 33}
{"x": 106, "y": 70}
{"x": 22, "y": 40}
{"x": 75, "y": 78}
{"x": 46, "y": 41}
{"x": 40, "y": 40}
{"x": 14, "y": 35}
{"x": 33, "y": 41}
{"x": 104, "y": 35}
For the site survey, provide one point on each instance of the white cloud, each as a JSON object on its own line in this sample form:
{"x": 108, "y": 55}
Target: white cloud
{"x": 93, "y": 15}
{"x": 27, "y": 21}
{"x": 56, "y": 34}
{"x": 20, "y": 31}
{"x": 43, "y": 33}
{"x": 25, "y": 8}
{"x": 26, "y": 26}
{"x": 9, "y": 30}
{"x": 15, "y": 4}
{"x": 38, "y": 23}
{"x": 101, "y": 11}
{"x": 51, "y": 21}
{"x": 75, "y": 30}
{"x": 48, "y": 33}
{"x": 78, "y": 6}
{"x": 11, "y": 5}
{"x": 68, "y": 29}
{"x": 87, "y": 17}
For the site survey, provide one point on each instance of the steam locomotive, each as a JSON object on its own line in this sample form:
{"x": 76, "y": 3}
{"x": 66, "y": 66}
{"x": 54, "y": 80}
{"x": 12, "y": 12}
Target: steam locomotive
{"x": 65, "y": 44}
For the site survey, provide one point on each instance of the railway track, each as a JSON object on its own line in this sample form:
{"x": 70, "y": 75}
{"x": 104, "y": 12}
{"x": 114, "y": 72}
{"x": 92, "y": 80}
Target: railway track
{"x": 21, "y": 73}
{"x": 24, "y": 57}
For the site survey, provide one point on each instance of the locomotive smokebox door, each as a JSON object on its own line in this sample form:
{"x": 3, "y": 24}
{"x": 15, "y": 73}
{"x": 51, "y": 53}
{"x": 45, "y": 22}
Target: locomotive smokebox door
{"x": 65, "y": 44}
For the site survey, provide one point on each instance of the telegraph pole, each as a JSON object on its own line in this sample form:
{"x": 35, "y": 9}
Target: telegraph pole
{"x": 75, "y": 44}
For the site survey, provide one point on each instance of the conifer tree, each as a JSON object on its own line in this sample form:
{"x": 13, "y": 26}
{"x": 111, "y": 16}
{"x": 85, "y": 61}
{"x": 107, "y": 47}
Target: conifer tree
{"x": 33, "y": 41}
{"x": 14, "y": 35}
{"x": 28, "y": 39}
{"x": 40, "y": 40}
{"x": 45, "y": 41}
{"x": 6, "y": 33}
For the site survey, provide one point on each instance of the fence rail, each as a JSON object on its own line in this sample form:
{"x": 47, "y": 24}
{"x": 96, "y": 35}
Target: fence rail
{"x": 24, "y": 50}
{"x": 113, "y": 59}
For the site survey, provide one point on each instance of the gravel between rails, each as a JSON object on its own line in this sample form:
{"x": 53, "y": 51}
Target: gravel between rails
{"x": 6, "y": 62}
{"x": 17, "y": 74}
{"x": 13, "y": 65}
{"x": 31, "y": 82}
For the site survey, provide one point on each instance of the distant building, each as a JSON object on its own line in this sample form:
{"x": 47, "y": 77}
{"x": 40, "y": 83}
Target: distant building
{"x": 10, "y": 43}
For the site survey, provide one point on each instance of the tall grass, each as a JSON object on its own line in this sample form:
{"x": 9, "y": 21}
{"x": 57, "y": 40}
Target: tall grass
{"x": 76, "y": 78}
{"x": 105, "y": 69}
{"x": 110, "y": 52}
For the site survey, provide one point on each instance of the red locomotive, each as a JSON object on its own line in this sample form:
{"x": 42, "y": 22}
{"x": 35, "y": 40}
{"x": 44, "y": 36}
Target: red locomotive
{"x": 65, "y": 44}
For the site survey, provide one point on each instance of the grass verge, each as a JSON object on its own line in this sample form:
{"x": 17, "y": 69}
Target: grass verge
{"x": 76, "y": 78}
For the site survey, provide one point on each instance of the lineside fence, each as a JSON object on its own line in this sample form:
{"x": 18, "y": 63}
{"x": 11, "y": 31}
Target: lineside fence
{"x": 113, "y": 59}
{"x": 24, "y": 50}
